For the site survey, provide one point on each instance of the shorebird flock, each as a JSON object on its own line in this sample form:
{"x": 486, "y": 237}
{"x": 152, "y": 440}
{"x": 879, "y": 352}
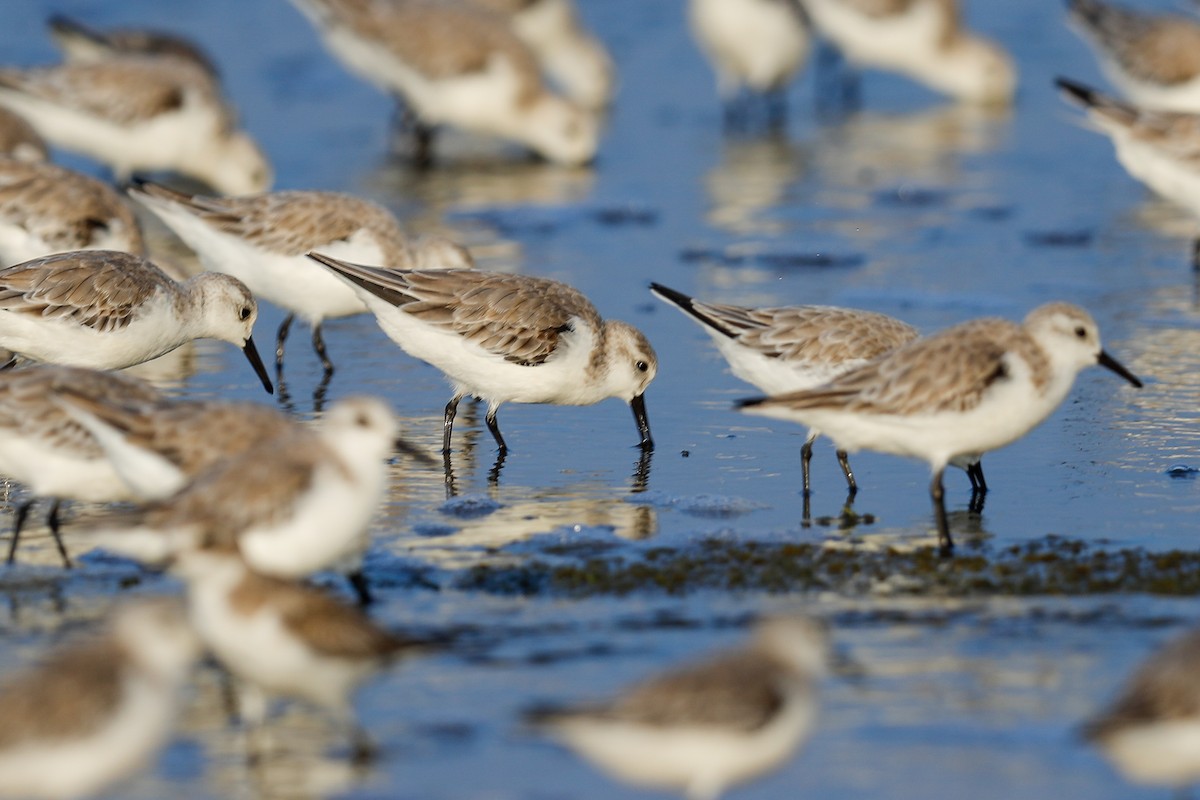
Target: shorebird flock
{"x": 243, "y": 502}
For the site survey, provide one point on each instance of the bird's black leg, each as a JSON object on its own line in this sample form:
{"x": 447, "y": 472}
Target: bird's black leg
{"x": 318, "y": 343}
{"x": 54, "y": 531}
{"x": 805, "y": 460}
{"x": 494, "y": 427}
{"x": 18, "y": 523}
{"x": 448, "y": 423}
{"x": 844, "y": 463}
{"x": 359, "y": 582}
{"x": 938, "y": 494}
{"x": 280, "y": 338}
{"x": 975, "y": 473}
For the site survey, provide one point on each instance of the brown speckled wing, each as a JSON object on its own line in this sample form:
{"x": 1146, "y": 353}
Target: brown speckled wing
{"x": 293, "y": 223}
{"x": 740, "y": 691}
{"x": 813, "y": 334}
{"x": 520, "y": 318}
{"x": 100, "y": 289}
{"x": 950, "y": 371}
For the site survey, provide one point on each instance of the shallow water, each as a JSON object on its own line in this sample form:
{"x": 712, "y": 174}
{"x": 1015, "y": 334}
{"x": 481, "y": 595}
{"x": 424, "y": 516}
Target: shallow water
{"x": 915, "y": 208}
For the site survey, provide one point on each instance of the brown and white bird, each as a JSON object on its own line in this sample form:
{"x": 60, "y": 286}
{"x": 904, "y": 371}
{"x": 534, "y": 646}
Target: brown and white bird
{"x": 139, "y": 113}
{"x": 96, "y": 710}
{"x": 702, "y": 728}
{"x": 455, "y": 64}
{"x": 262, "y": 240}
{"x": 507, "y": 338}
{"x": 1151, "y": 730}
{"x": 45, "y": 209}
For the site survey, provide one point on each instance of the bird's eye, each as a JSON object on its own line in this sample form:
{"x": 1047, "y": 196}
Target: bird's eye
{"x": 642, "y": 366}
{"x": 244, "y": 313}
{"x": 362, "y": 421}
{"x": 1080, "y": 331}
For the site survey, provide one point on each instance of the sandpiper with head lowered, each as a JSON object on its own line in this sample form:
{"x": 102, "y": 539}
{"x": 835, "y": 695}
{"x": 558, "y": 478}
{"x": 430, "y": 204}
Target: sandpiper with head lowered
{"x": 456, "y": 64}
{"x": 139, "y": 113}
{"x": 507, "y": 338}
{"x": 954, "y": 395}
{"x": 702, "y": 728}
{"x": 96, "y": 710}
{"x": 262, "y": 240}
{"x": 106, "y": 309}
{"x": 923, "y": 39}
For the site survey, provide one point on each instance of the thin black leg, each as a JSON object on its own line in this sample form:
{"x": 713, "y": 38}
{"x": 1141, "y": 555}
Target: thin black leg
{"x": 280, "y": 338}
{"x": 844, "y": 463}
{"x": 422, "y": 145}
{"x": 805, "y": 460}
{"x": 54, "y": 531}
{"x": 494, "y": 427}
{"x": 938, "y": 494}
{"x": 318, "y": 343}
{"x": 448, "y": 423}
{"x": 18, "y": 524}
{"x": 975, "y": 473}
{"x": 359, "y": 581}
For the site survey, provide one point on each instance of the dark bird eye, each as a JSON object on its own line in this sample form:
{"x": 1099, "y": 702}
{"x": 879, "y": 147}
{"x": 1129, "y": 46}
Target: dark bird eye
{"x": 1080, "y": 332}
{"x": 362, "y": 421}
{"x": 245, "y": 313}
{"x": 642, "y": 366}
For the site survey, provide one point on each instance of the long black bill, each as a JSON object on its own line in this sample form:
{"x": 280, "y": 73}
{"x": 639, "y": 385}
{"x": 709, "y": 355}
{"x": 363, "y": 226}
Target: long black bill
{"x": 1105, "y": 360}
{"x": 252, "y": 356}
{"x": 638, "y": 404}
{"x": 405, "y": 447}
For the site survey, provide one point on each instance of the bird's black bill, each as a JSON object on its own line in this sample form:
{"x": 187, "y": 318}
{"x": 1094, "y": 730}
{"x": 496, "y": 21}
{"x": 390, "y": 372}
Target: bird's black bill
{"x": 1105, "y": 360}
{"x": 638, "y": 404}
{"x": 409, "y": 449}
{"x": 255, "y": 361}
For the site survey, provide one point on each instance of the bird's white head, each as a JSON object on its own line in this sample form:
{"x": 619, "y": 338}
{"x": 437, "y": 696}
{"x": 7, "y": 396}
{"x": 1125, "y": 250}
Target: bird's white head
{"x": 236, "y": 165}
{"x": 978, "y": 71}
{"x": 560, "y": 131}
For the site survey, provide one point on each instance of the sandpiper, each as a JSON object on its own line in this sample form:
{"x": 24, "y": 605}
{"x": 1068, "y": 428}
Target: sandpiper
{"x": 262, "y": 240}
{"x": 45, "y": 209}
{"x": 139, "y": 113}
{"x": 298, "y": 503}
{"x": 793, "y": 348}
{"x": 507, "y": 338}
{"x": 702, "y": 728}
{"x": 455, "y": 64}
{"x": 923, "y": 39}
{"x": 97, "y": 709}
{"x": 1150, "y": 731}
{"x": 285, "y": 638}
{"x": 107, "y": 309}
{"x": 954, "y": 395}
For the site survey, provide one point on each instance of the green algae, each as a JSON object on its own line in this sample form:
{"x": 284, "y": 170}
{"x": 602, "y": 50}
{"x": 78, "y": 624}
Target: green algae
{"x": 1049, "y": 566}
